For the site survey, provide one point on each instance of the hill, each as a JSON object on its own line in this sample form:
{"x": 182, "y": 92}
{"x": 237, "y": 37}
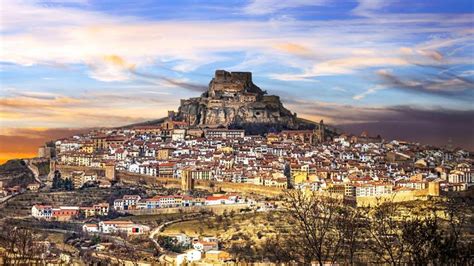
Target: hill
{"x": 16, "y": 172}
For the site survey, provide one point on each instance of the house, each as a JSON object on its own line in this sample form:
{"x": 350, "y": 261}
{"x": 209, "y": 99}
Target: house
{"x": 182, "y": 239}
{"x": 64, "y": 213}
{"x": 217, "y": 200}
{"x": 205, "y": 246}
{"x": 128, "y": 202}
{"x": 101, "y": 209}
{"x": 42, "y": 211}
{"x": 90, "y": 228}
{"x": 193, "y": 255}
{"x": 373, "y": 189}
{"x": 127, "y": 227}
{"x": 33, "y": 186}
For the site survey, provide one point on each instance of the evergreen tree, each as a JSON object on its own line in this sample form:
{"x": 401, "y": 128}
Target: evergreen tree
{"x": 68, "y": 185}
{"x": 57, "y": 180}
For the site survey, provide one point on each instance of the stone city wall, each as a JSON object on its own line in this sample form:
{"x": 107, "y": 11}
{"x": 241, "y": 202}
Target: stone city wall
{"x": 401, "y": 196}
{"x": 68, "y": 169}
{"x": 217, "y": 209}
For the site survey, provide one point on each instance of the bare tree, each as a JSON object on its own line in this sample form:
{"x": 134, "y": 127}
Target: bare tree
{"x": 423, "y": 239}
{"x": 316, "y": 235}
{"x": 385, "y": 240}
{"x": 454, "y": 249}
{"x": 22, "y": 245}
{"x": 350, "y": 222}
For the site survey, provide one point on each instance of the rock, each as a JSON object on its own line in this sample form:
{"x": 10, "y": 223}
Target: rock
{"x": 234, "y": 101}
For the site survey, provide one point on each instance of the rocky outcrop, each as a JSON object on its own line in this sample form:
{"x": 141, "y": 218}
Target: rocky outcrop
{"x": 234, "y": 101}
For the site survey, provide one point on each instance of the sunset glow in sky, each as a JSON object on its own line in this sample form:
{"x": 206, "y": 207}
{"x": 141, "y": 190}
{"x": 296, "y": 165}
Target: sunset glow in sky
{"x": 399, "y": 68}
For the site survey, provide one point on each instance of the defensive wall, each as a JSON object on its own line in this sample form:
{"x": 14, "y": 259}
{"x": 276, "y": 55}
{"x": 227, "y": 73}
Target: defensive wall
{"x": 401, "y": 196}
{"x": 67, "y": 169}
{"x": 135, "y": 179}
{"x": 140, "y": 179}
{"x": 217, "y": 209}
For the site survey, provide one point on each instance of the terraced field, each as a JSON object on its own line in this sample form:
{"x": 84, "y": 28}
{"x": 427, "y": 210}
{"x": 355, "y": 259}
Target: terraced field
{"x": 21, "y": 205}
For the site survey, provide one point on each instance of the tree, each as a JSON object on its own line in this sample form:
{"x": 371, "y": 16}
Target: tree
{"x": 277, "y": 250}
{"x": 323, "y": 229}
{"x": 423, "y": 240}
{"x": 287, "y": 174}
{"x": 383, "y": 229}
{"x": 453, "y": 249}
{"x": 57, "y": 180}
{"x": 171, "y": 244}
{"x": 22, "y": 245}
{"x": 316, "y": 235}
{"x": 350, "y": 222}
{"x": 68, "y": 185}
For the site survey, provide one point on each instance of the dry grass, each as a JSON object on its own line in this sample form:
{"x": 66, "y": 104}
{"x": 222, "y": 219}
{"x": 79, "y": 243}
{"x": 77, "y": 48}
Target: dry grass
{"x": 58, "y": 239}
{"x": 233, "y": 228}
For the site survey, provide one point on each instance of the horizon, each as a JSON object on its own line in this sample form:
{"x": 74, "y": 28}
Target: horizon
{"x": 399, "y": 69}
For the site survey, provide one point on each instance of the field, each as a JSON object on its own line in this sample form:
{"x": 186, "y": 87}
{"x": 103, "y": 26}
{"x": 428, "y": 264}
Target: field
{"x": 230, "y": 227}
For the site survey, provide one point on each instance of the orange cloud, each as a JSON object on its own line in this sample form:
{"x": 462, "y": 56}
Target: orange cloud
{"x": 27, "y": 102}
{"x": 293, "y": 48}
{"x": 118, "y": 61}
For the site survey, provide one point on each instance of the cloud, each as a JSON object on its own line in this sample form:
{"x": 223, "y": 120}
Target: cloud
{"x": 111, "y": 68}
{"x": 174, "y": 82}
{"x": 342, "y": 66}
{"x": 442, "y": 83}
{"x": 367, "y": 92}
{"x": 310, "y": 48}
{"x": 433, "y": 125}
{"x": 349, "y": 64}
{"x": 430, "y": 54}
{"x": 337, "y": 113}
{"x": 429, "y": 126}
{"x": 119, "y": 69}
{"x": 91, "y": 109}
{"x": 36, "y": 102}
{"x": 295, "y": 49}
{"x": 262, "y": 7}
{"x": 367, "y": 7}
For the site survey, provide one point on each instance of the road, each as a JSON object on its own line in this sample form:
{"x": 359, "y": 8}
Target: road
{"x": 160, "y": 228}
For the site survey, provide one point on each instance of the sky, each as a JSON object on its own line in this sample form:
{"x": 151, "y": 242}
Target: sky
{"x": 401, "y": 68}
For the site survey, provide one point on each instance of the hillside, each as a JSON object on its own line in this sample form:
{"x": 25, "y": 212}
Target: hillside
{"x": 15, "y": 172}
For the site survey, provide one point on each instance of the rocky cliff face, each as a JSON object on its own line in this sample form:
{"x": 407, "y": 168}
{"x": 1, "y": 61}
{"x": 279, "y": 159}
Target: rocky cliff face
{"x": 234, "y": 101}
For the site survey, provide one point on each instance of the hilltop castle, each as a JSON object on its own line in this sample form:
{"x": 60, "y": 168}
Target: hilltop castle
{"x": 233, "y": 100}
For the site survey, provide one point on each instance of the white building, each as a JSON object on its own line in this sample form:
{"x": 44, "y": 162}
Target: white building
{"x": 127, "y": 227}
{"x": 42, "y": 211}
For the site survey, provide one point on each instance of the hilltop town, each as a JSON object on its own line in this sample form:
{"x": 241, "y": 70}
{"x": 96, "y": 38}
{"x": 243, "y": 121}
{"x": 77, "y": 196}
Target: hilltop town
{"x": 226, "y": 157}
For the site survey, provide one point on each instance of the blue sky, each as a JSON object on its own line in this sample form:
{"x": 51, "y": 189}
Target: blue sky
{"x": 87, "y": 63}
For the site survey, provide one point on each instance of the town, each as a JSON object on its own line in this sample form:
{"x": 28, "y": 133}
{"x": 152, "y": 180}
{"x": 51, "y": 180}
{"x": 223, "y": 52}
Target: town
{"x": 195, "y": 187}
{"x": 356, "y": 166}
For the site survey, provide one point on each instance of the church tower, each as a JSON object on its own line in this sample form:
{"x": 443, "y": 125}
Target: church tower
{"x": 319, "y": 134}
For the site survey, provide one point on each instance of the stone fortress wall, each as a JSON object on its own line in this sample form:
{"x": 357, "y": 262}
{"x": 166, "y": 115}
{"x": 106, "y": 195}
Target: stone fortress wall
{"x": 433, "y": 189}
